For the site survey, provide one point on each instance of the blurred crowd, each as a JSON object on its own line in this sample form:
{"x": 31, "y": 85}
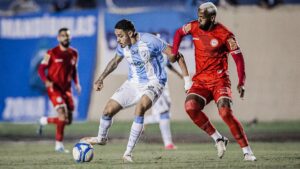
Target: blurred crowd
{"x": 20, "y": 7}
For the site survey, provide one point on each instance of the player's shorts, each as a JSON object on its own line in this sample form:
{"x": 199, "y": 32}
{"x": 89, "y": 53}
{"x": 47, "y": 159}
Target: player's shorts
{"x": 163, "y": 104}
{"x": 61, "y": 99}
{"x": 130, "y": 93}
{"x": 212, "y": 91}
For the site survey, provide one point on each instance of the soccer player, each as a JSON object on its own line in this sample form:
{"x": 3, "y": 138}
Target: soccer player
{"x": 213, "y": 41}
{"x": 146, "y": 80}
{"x": 61, "y": 65}
{"x": 161, "y": 112}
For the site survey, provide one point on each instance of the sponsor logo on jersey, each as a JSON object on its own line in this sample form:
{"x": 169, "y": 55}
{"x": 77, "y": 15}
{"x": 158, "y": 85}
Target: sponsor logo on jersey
{"x": 58, "y": 60}
{"x": 59, "y": 99}
{"x": 214, "y": 42}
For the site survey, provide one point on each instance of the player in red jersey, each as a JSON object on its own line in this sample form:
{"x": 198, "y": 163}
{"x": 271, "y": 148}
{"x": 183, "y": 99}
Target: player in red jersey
{"x": 61, "y": 63}
{"x": 213, "y": 42}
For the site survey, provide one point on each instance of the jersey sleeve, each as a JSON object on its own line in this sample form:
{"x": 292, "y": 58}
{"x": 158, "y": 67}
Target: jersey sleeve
{"x": 158, "y": 43}
{"x": 120, "y": 51}
{"x": 47, "y": 58}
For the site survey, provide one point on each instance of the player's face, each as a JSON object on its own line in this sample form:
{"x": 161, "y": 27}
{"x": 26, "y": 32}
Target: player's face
{"x": 64, "y": 38}
{"x": 205, "y": 21}
{"x": 123, "y": 37}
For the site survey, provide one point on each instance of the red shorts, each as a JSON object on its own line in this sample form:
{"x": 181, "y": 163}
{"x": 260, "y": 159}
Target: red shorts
{"x": 61, "y": 99}
{"x": 208, "y": 91}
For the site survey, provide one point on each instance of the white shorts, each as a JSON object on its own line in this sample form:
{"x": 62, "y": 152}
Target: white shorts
{"x": 163, "y": 104}
{"x": 130, "y": 93}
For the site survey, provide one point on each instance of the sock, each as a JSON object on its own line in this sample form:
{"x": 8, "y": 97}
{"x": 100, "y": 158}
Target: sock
{"x": 193, "y": 109}
{"x": 247, "y": 150}
{"x": 105, "y": 123}
{"x": 234, "y": 125}
{"x": 60, "y": 127}
{"x": 216, "y": 135}
{"x": 135, "y": 132}
{"x": 151, "y": 119}
{"x": 164, "y": 125}
{"x": 52, "y": 120}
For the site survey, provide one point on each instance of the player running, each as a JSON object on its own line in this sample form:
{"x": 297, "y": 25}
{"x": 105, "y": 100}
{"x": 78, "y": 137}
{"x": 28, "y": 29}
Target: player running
{"x": 213, "y": 42}
{"x": 161, "y": 111}
{"x": 61, "y": 65}
{"x": 146, "y": 80}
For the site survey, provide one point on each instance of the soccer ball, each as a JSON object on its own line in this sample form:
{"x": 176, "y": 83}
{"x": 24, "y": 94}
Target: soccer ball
{"x": 83, "y": 152}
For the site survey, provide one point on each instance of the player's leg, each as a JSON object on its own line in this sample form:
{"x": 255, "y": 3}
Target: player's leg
{"x": 111, "y": 108}
{"x": 165, "y": 129}
{"x": 149, "y": 94}
{"x": 122, "y": 98}
{"x": 194, "y": 105}
{"x": 225, "y": 111}
{"x": 60, "y": 126}
{"x": 137, "y": 126}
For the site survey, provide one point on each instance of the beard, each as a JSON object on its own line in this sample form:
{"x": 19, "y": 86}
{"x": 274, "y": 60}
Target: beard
{"x": 65, "y": 44}
{"x": 206, "y": 26}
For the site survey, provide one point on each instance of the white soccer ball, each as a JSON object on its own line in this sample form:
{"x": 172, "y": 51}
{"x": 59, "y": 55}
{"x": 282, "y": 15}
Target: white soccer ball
{"x": 83, "y": 152}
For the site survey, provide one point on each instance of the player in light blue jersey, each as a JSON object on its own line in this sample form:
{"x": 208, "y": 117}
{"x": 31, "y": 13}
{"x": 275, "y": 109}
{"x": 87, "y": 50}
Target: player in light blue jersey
{"x": 146, "y": 80}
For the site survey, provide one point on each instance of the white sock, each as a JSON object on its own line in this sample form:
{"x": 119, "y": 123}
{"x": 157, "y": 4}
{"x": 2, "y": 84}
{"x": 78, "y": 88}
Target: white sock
{"x": 105, "y": 123}
{"x": 43, "y": 121}
{"x": 151, "y": 119}
{"x": 58, "y": 145}
{"x": 164, "y": 125}
{"x": 135, "y": 132}
{"x": 216, "y": 135}
{"x": 247, "y": 150}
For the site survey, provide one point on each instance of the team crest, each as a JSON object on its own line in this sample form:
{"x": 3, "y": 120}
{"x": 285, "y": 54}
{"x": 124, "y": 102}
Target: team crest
{"x": 214, "y": 42}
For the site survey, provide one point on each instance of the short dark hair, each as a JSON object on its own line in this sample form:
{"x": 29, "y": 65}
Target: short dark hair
{"x": 125, "y": 25}
{"x": 63, "y": 29}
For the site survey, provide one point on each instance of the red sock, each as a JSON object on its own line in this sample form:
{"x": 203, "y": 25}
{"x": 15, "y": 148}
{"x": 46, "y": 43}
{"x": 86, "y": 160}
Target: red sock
{"x": 60, "y": 127}
{"x": 52, "y": 120}
{"x": 234, "y": 125}
{"x": 193, "y": 109}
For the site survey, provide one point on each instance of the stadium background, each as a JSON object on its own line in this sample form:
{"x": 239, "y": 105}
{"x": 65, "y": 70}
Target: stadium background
{"x": 268, "y": 34}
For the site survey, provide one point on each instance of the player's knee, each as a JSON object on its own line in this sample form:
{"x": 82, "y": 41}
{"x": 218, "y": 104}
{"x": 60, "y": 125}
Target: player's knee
{"x": 224, "y": 103}
{"x": 192, "y": 107}
{"x": 108, "y": 111}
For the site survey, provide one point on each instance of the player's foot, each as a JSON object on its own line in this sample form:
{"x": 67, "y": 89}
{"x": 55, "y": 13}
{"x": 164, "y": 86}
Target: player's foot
{"x": 249, "y": 157}
{"x": 62, "y": 150}
{"x": 127, "y": 158}
{"x": 95, "y": 140}
{"x": 170, "y": 147}
{"x": 221, "y": 146}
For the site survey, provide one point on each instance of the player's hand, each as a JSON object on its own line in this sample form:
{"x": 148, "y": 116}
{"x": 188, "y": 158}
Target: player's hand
{"x": 48, "y": 84}
{"x": 241, "y": 90}
{"x": 98, "y": 85}
{"x": 187, "y": 83}
{"x": 78, "y": 88}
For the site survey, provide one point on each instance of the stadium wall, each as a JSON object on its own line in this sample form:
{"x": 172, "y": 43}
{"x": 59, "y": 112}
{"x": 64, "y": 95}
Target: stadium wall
{"x": 269, "y": 40}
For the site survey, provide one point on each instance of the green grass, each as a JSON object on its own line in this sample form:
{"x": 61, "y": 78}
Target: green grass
{"x": 122, "y": 128}
{"x": 40, "y": 155}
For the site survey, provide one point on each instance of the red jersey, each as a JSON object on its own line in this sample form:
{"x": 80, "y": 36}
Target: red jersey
{"x": 62, "y": 67}
{"x": 211, "y": 51}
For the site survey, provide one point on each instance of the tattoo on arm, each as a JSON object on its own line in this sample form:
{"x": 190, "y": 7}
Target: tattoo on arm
{"x": 111, "y": 66}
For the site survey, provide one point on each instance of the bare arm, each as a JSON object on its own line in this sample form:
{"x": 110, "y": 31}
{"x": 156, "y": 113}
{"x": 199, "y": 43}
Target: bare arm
{"x": 172, "y": 69}
{"x": 181, "y": 62}
{"x": 111, "y": 66}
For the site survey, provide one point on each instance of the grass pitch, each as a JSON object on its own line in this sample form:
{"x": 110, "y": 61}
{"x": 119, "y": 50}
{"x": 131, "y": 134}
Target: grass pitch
{"x": 40, "y": 155}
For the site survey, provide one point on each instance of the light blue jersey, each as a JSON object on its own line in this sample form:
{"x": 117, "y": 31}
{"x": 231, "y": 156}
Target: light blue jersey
{"x": 145, "y": 59}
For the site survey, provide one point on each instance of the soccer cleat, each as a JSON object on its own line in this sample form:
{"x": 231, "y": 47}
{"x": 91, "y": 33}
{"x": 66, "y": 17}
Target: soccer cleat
{"x": 170, "y": 147}
{"x": 221, "y": 146}
{"x": 95, "y": 140}
{"x": 61, "y": 150}
{"x": 249, "y": 157}
{"x": 127, "y": 158}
